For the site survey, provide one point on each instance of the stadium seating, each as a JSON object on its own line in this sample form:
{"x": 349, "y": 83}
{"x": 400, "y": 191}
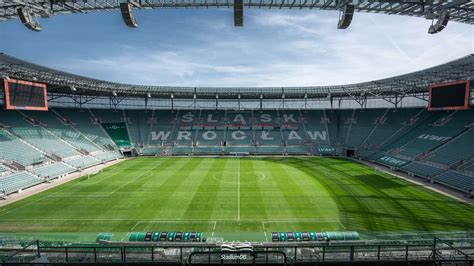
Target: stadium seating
{"x": 162, "y": 125}
{"x": 456, "y": 150}
{"x": 296, "y": 150}
{"x": 207, "y": 133}
{"x": 208, "y": 150}
{"x": 270, "y": 149}
{"x": 457, "y": 180}
{"x": 422, "y": 170}
{"x": 4, "y": 170}
{"x": 390, "y": 160}
{"x": 82, "y": 161}
{"x": 53, "y": 124}
{"x": 52, "y": 170}
{"x": 333, "y": 120}
{"x": 344, "y": 119}
{"x": 470, "y": 168}
{"x": 151, "y": 150}
{"x": 12, "y": 149}
{"x": 363, "y": 124}
{"x": 410, "y": 129}
{"x": 388, "y": 124}
{"x": 439, "y": 133}
{"x": 180, "y": 150}
{"x": 314, "y": 123}
{"x": 83, "y": 122}
{"x": 293, "y": 130}
{"x": 413, "y": 140}
{"x": 15, "y": 182}
{"x": 243, "y": 149}
{"x": 106, "y": 156}
{"x": 36, "y": 135}
{"x": 139, "y": 126}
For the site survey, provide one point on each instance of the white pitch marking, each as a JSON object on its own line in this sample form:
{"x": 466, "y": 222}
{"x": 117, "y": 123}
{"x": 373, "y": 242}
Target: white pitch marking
{"x": 138, "y": 222}
{"x": 343, "y": 227}
{"x": 264, "y": 230}
{"x": 214, "y": 228}
{"x": 146, "y": 174}
{"x": 238, "y": 190}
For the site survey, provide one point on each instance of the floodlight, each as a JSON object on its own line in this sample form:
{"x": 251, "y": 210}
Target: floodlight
{"x": 345, "y": 17}
{"x": 443, "y": 19}
{"x": 27, "y": 19}
{"x": 238, "y": 13}
{"x": 127, "y": 14}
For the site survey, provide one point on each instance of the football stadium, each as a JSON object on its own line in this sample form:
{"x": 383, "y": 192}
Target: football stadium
{"x": 379, "y": 172}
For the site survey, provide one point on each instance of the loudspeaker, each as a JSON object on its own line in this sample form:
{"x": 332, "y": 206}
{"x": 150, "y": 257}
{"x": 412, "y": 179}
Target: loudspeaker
{"x": 238, "y": 13}
{"x": 27, "y": 19}
{"x": 442, "y": 22}
{"x": 345, "y": 18}
{"x": 127, "y": 15}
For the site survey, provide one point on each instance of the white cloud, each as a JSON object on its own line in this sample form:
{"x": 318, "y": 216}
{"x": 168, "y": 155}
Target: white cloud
{"x": 284, "y": 48}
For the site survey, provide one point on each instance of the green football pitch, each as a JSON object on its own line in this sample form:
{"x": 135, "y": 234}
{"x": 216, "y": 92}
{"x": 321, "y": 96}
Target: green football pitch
{"x": 235, "y": 199}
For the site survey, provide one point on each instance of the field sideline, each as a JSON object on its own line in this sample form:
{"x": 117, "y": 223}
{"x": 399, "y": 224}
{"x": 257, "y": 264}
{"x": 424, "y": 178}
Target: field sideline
{"x": 235, "y": 198}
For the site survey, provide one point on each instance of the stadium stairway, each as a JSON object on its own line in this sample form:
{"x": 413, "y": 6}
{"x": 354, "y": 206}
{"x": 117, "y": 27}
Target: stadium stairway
{"x": 364, "y": 124}
{"x": 406, "y": 130}
{"x": 440, "y": 132}
{"x": 13, "y": 148}
{"x": 32, "y": 132}
{"x": 371, "y": 136}
{"x": 84, "y": 122}
{"x": 63, "y": 130}
{"x": 138, "y": 125}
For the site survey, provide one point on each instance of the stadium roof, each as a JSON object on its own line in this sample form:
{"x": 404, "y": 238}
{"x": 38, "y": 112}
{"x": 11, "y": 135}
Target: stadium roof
{"x": 407, "y": 84}
{"x": 459, "y": 10}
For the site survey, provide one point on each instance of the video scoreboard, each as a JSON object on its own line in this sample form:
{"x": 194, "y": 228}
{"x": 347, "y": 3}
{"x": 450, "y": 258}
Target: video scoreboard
{"x": 449, "y": 96}
{"x": 25, "y": 95}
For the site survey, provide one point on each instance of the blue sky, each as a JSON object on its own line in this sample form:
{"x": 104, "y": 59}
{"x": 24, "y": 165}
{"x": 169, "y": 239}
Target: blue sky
{"x": 201, "y": 47}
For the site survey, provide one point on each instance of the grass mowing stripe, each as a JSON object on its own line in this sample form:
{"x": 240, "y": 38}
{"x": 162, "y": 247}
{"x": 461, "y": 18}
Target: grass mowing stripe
{"x": 272, "y": 194}
{"x": 238, "y": 189}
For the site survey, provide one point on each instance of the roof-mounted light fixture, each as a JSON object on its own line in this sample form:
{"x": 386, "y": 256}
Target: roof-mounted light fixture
{"x": 238, "y": 13}
{"x": 28, "y": 19}
{"x": 128, "y": 17}
{"x": 345, "y": 16}
{"x": 441, "y": 23}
